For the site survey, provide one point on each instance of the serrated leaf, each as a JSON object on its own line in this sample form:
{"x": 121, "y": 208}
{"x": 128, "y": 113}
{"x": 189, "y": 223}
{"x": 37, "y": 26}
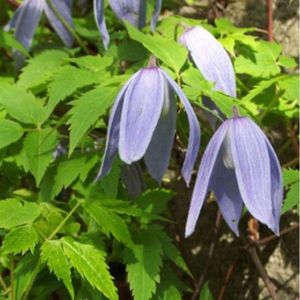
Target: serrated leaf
{"x": 108, "y": 220}
{"x": 290, "y": 176}
{"x": 10, "y": 132}
{"x": 171, "y": 53}
{"x": 14, "y": 213}
{"x": 205, "y": 293}
{"x": 94, "y": 63}
{"x": 38, "y": 148}
{"x": 290, "y": 87}
{"x": 66, "y": 81}
{"x": 22, "y": 105}
{"x": 292, "y": 198}
{"x": 143, "y": 264}
{"x": 90, "y": 263}
{"x": 287, "y": 62}
{"x": 52, "y": 253}
{"x": 86, "y": 110}
{"x": 40, "y": 68}
{"x": 24, "y": 273}
{"x": 19, "y": 240}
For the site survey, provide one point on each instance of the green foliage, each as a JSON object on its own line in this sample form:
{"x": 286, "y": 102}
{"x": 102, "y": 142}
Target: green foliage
{"x": 291, "y": 182}
{"x": 10, "y": 132}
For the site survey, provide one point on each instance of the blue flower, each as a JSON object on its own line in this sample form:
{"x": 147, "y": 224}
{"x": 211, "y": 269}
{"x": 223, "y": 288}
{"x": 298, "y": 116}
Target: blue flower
{"x": 27, "y": 16}
{"x": 212, "y": 61}
{"x": 133, "y": 11}
{"x": 143, "y": 123}
{"x": 240, "y": 166}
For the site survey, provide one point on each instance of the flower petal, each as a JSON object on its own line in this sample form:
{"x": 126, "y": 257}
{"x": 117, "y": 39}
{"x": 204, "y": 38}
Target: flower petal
{"x": 100, "y": 21}
{"x": 253, "y": 170}
{"x": 63, "y": 7}
{"x": 158, "y": 153}
{"x": 127, "y": 10}
{"x": 27, "y": 21}
{"x": 156, "y": 14}
{"x": 194, "y": 135}
{"x": 12, "y": 23}
{"x": 223, "y": 183}
{"x": 210, "y": 58}
{"x": 204, "y": 175}
{"x": 113, "y": 131}
{"x": 141, "y": 111}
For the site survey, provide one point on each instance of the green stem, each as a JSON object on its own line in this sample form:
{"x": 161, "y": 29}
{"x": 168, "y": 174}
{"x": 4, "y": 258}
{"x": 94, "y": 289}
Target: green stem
{"x": 36, "y": 271}
{"x": 12, "y": 279}
{"x": 63, "y": 222}
{"x": 67, "y": 26}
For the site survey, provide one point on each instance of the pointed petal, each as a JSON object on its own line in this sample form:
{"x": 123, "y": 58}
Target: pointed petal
{"x": 27, "y": 21}
{"x": 126, "y": 10}
{"x": 223, "y": 183}
{"x": 204, "y": 175}
{"x": 132, "y": 176}
{"x": 158, "y": 153}
{"x": 253, "y": 171}
{"x": 142, "y": 14}
{"x": 210, "y": 58}
{"x": 100, "y": 21}
{"x": 12, "y": 23}
{"x": 113, "y": 131}
{"x": 141, "y": 111}
{"x": 156, "y": 14}
{"x": 63, "y": 7}
{"x": 194, "y": 135}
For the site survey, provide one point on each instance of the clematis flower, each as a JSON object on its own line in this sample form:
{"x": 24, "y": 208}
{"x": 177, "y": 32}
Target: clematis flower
{"x": 143, "y": 123}
{"x": 241, "y": 168}
{"x": 212, "y": 61}
{"x": 133, "y": 11}
{"x": 27, "y": 16}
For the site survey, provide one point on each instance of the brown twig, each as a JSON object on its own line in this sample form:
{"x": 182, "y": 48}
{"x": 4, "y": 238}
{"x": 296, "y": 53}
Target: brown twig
{"x": 227, "y": 277}
{"x": 273, "y": 237}
{"x": 200, "y": 282}
{"x": 263, "y": 273}
{"x": 270, "y": 19}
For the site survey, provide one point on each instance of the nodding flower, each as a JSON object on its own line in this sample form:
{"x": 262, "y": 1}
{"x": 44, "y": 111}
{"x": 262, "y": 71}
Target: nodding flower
{"x": 133, "y": 11}
{"x": 212, "y": 61}
{"x": 241, "y": 168}
{"x": 26, "y": 18}
{"x": 142, "y": 123}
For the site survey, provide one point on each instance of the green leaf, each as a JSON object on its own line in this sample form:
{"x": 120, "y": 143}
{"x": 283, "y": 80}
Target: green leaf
{"x": 14, "y": 213}
{"x": 19, "y": 240}
{"x": 287, "y": 62}
{"x": 86, "y": 110}
{"x": 66, "y": 81}
{"x": 38, "y": 148}
{"x": 22, "y": 105}
{"x": 10, "y": 132}
{"x": 290, "y": 176}
{"x": 291, "y": 181}
{"x": 108, "y": 220}
{"x": 52, "y": 253}
{"x": 24, "y": 273}
{"x": 205, "y": 293}
{"x": 143, "y": 265}
{"x": 290, "y": 87}
{"x": 90, "y": 263}
{"x": 171, "y": 53}
{"x": 94, "y": 63}
{"x": 40, "y": 68}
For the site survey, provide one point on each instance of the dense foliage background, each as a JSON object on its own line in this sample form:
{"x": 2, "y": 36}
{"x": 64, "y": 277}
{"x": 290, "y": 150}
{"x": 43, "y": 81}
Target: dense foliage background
{"x": 64, "y": 236}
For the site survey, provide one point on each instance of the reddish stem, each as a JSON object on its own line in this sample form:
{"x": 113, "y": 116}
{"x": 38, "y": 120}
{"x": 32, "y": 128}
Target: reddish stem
{"x": 270, "y": 19}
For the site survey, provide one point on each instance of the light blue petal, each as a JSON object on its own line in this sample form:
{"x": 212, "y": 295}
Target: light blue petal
{"x": 158, "y": 153}
{"x": 253, "y": 170}
{"x": 100, "y": 21}
{"x": 111, "y": 147}
{"x": 194, "y": 134}
{"x": 27, "y": 21}
{"x": 205, "y": 172}
{"x": 156, "y": 14}
{"x": 63, "y": 7}
{"x": 13, "y": 22}
{"x": 210, "y": 58}
{"x": 143, "y": 103}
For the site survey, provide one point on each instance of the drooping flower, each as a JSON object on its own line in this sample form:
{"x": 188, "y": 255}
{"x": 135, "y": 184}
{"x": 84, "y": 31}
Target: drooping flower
{"x": 27, "y": 16}
{"x": 240, "y": 166}
{"x": 212, "y": 61}
{"x": 133, "y": 11}
{"x": 143, "y": 123}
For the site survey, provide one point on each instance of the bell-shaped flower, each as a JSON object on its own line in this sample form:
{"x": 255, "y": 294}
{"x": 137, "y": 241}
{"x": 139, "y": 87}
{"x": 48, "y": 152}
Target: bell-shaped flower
{"x": 133, "y": 11}
{"x": 212, "y": 61}
{"x": 27, "y": 16}
{"x": 241, "y": 168}
{"x": 143, "y": 123}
